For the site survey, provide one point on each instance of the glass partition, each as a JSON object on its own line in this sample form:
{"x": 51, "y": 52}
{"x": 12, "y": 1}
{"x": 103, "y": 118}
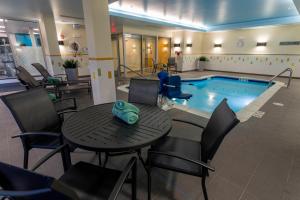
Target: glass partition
{"x": 7, "y": 65}
{"x": 149, "y": 53}
{"x": 164, "y": 49}
{"x": 133, "y": 52}
{"x": 25, "y": 42}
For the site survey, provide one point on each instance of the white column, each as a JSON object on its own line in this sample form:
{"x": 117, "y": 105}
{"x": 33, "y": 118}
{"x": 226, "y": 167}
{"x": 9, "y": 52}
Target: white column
{"x": 101, "y": 66}
{"x": 50, "y": 44}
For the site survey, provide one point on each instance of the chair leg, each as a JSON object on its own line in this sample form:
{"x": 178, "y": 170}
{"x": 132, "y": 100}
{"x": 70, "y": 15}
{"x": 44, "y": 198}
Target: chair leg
{"x": 134, "y": 179}
{"x": 25, "y": 161}
{"x": 204, "y": 188}
{"x": 149, "y": 183}
{"x": 106, "y": 159}
{"x": 100, "y": 158}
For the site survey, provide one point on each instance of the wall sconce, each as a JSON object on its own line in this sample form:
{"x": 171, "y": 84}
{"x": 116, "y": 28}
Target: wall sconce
{"x": 217, "y": 45}
{"x": 61, "y": 43}
{"x": 261, "y": 44}
{"x": 189, "y": 45}
{"x": 166, "y": 45}
{"x": 177, "y": 45}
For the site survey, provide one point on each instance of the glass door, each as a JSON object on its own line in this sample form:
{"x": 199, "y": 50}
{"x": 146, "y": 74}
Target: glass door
{"x": 164, "y": 50}
{"x": 133, "y": 52}
{"x": 149, "y": 53}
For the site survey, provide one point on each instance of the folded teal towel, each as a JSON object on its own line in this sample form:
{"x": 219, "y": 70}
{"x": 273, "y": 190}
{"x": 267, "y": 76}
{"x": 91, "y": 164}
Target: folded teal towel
{"x": 126, "y": 107}
{"x": 126, "y": 112}
{"x": 53, "y": 81}
{"x": 52, "y": 96}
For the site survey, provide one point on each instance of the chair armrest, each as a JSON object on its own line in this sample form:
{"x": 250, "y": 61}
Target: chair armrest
{"x": 122, "y": 179}
{"x": 170, "y": 86}
{"x": 188, "y": 122}
{"x": 66, "y": 99}
{"x": 65, "y": 112}
{"x": 7, "y": 193}
{"x": 48, "y": 156}
{"x": 171, "y": 154}
{"x": 27, "y": 134}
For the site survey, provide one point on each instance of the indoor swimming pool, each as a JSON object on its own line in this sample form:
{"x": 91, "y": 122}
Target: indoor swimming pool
{"x": 209, "y": 92}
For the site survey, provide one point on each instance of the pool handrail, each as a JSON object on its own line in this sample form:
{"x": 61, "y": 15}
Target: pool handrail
{"x": 286, "y": 70}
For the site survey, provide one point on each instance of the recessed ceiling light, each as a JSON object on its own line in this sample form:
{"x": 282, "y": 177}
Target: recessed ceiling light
{"x": 1, "y": 20}
{"x": 2, "y": 26}
{"x": 2, "y": 31}
{"x": 36, "y": 29}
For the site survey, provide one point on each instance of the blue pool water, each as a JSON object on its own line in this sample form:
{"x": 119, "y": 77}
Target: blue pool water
{"x": 208, "y": 93}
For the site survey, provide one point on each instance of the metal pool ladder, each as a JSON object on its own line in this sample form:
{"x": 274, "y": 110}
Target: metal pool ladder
{"x": 286, "y": 70}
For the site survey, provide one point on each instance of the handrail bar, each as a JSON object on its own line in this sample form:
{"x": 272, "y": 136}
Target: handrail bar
{"x": 286, "y": 70}
{"x": 141, "y": 75}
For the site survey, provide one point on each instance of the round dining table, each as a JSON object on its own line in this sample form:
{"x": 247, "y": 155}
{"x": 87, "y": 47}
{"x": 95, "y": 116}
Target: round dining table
{"x": 96, "y": 129}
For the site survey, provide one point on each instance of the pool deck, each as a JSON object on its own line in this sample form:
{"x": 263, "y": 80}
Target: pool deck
{"x": 258, "y": 160}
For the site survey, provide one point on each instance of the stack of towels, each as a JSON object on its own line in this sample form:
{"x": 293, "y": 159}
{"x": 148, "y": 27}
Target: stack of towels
{"x": 126, "y": 112}
{"x": 53, "y": 81}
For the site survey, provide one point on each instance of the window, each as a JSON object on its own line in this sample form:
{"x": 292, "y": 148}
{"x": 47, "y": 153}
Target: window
{"x": 37, "y": 38}
{"x": 23, "y": 39}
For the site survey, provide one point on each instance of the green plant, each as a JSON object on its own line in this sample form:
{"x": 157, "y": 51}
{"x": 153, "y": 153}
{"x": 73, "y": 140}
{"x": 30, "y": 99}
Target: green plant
{"x": 70, "y": 64}
{"x": 203, "y": 58}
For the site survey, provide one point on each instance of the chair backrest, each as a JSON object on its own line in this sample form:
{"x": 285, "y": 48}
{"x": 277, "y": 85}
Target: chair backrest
{"x": 176, "y": 90}
{"x": 144, "y": 91}
{"x": 26, "y": 78}
{"x": 163, "y": 77}
{"x": 223, "y": 119}
{"x": 171, "y": 61}
{"x": 41, "y": 69}
{"x": 22, "y": 184}
{"x": 32, "y": 110}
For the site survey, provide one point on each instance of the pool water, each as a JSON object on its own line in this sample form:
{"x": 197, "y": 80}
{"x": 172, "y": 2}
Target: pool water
{"x": 209, "y": 92}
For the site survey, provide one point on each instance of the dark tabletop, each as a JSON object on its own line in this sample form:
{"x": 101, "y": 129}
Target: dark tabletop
{"x": 95, "y": 128}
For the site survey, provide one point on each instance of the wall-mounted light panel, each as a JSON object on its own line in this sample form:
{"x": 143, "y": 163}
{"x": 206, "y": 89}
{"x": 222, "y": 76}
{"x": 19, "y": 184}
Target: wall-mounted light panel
{"x": 217, "y": 45}
{"x": 189, "y": 45}
{"x": 261, "y": 44}
{"x": 177, "y": 45}
{"x": 289, "y": 43}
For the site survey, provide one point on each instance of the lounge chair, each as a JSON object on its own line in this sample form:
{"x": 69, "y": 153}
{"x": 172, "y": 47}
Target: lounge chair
{"x": 46, "y": 75}
{"x": 29, "y": 81}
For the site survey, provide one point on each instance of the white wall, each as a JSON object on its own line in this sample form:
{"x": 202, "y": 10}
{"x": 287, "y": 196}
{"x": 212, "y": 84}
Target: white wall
{"x": 247, "y": 58}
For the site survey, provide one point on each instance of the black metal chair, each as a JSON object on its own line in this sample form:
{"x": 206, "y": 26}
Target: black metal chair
{"x": 37, "y": 119}
{"x": 172, "y": 64}
{"x": 192, "y": 157}
{"x": 82, "y": 181}
{"x": 143, "y": 91}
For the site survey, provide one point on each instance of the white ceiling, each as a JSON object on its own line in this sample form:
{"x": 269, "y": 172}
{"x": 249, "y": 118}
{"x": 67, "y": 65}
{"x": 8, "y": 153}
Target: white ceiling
{"x": 208, "y": 12}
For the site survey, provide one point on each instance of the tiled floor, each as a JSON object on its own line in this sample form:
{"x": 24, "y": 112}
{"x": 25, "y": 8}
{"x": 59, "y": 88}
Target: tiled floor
{"x": 259, "y": 159}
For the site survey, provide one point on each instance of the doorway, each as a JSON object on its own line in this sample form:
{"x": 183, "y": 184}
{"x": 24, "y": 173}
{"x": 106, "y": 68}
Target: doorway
{"x": 148, "y": 53}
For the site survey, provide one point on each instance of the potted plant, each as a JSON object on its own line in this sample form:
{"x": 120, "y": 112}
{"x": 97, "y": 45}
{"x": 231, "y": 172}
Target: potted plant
{"x": 71, "y": 69}
{"x": 201, "y": 63}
